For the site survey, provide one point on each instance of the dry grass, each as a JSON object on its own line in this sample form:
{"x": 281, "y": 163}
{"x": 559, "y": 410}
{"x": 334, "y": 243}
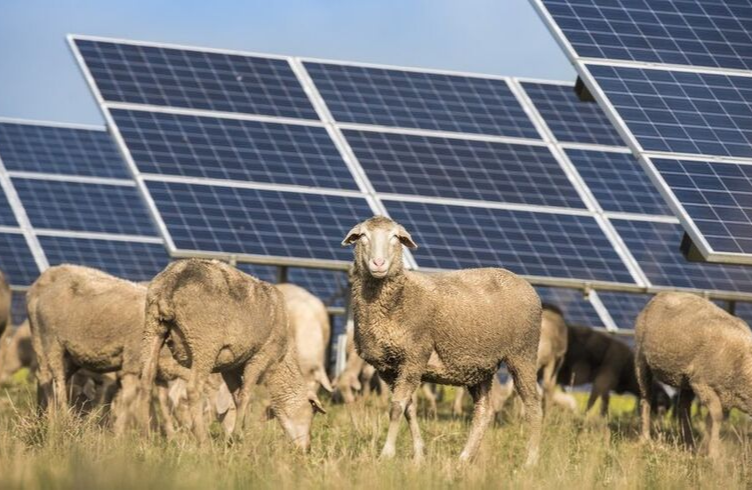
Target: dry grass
{"x": 576, "y": 453}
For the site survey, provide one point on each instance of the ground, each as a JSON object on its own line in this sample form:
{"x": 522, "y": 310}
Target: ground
{"x": 576, "y": 452}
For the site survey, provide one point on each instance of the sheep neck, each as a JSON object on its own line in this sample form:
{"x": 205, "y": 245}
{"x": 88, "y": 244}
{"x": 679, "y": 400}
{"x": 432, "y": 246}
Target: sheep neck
{"x": 380, "y": 296}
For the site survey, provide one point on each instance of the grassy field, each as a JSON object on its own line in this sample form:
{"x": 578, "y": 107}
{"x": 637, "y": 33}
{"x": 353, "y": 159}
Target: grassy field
{"x": 576, "y": 453}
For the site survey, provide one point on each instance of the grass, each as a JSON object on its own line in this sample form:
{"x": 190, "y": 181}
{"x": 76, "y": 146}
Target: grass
{"x": 576, "y": 453}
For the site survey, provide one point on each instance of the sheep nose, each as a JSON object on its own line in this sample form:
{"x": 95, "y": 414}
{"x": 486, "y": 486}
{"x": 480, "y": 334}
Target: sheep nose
{"x": 378, "y": 262}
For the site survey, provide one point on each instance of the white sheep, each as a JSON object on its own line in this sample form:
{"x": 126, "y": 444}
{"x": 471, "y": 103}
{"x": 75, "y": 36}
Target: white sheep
{"x": 452, "y": 328}
{"x": 687, "y": 342}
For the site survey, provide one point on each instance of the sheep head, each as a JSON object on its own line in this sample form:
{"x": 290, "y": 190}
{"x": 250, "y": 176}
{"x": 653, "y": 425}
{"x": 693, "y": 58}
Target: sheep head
{"x": 378, "y": 245}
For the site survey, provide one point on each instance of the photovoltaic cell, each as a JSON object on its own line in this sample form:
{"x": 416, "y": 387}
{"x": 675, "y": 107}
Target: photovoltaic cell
{"x": 655, "y": 246}
{"x": 16, "y": 260}
{"x": 718, "y": 198}
{"x": 711, "y": 33}
{"x": 618, "y": 182}
{"x": 575, "y": 308}
{"x": 327, "y": 285}
{"x": 412, "y": 99}
{"x": 249, "y": 221}
{"x": 134, "y": 261}
{"x": 682, "y": 112}
{"x": 624, "y": 307}
{"x": 528, "y": 243}
{"x": 209, "y": 147}
{"x": 18, "y": 307}
{"x": 60, "y": 150}
{"x": 7, "y": 218}
{"x": 462, "y": 169}
{"x": 570, "y": 119}
{"x": 74, "y": 206}
{"x": 186, "y": 78}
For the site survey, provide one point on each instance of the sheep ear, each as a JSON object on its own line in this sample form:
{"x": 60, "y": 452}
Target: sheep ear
{"x": 316, "y": 403}
{"x": 352, "y": 236}
{"x": 405, "y": 238}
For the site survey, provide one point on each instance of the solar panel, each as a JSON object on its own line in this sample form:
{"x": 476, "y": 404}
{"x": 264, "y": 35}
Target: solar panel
{"x": 135, "y": 261}
{"x": 421, "y": 100}
{"x": 624, "y": 307}
{"x": 680, "y": 112}
{"x": 329, "y": 286}
{"x": 529, "y": 243}
{"x": 60, "y": 150}
{"x": 187, "y": 78}
{"x": 77, "y": 211}
{"x": 16, "y": 259}
{"x": 718, "y": 198}
{"x": 248, "y": 221}
{"x": 7, "y": 218}
{"x": 674, "y": 78}
{"x": 462, "y": 169}
{"x": 231, "y": 149}
{"x": 711, "y": 33}
{"x": 654, "y": 246}
{"x": 576, "y": 309}
{"x": 76, "y": 206}
{"x": 18, "y": 307}
{"x": 744, "y": 311}
{"x": 570, "y": 119}
{"x": 618, "y": 182}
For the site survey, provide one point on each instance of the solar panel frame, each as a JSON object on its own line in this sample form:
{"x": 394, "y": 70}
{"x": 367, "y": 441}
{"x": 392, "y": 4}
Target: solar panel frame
{"x": 580, "y": 63}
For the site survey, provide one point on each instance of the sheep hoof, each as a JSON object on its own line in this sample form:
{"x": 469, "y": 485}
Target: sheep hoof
{"x": 532, "y": 459}
{"x": 387, "y": 453}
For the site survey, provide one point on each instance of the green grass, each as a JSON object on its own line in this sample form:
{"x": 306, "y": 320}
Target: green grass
{"x": 576, "y": 453}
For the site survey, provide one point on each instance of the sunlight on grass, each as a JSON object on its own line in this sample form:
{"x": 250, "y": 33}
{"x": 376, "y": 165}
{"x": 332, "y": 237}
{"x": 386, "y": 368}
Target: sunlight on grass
{"x": 576, "y": 452}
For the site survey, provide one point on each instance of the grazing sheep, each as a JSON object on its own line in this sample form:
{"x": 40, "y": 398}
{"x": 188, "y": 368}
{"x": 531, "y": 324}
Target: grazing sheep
{"x": 688, "y": 342}
{"x": 84, "y": 318}
{"x": 451, "y": 328}
{"x": 5, "y": 304}
{"x": 310, "y": 324}
{"x": 223, "y": 320}
{"x": 551, "y": 351}
{"x": 16, "y": 351}
{"x": 606, "y": 362}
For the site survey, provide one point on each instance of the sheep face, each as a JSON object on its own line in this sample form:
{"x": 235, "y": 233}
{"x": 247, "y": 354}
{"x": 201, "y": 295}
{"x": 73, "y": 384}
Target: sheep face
{"x": 378, "y": 245}
{"x": 296, "y": 419}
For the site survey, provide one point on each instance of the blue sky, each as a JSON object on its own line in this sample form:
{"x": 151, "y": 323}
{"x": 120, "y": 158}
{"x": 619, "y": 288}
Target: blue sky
{"x": 40, "y": 80}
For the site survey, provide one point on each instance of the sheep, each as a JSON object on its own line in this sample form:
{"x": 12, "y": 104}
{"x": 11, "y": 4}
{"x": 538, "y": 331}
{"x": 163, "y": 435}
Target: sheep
{"x": 551, "y": 351}
{"x": 16, "y": 351}
{"x": 310, "y": 323}
{"x": 450, "y": 328}
{"x": 608, "y": 363}
{"x": 693, "y": 345}
{"x": 84, "y": 318}
{"x": 5, "y": 304}
{"x": 223, "y": 320}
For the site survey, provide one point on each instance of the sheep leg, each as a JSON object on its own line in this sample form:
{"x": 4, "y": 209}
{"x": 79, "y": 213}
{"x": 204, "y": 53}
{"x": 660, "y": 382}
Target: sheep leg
{"x": 56, "y": 365}
{"x": 411, "y": 414}
{"x": 168, "y": 421}
{"x": 151, "y": 345}
{"x": 402, "y": 394}
{"x": 126, "y": 398}
{"x": 459, "y": 396}
{"x": 645, "y": 383}
{"x": 195, "y": 393}
{"x": 482, "y": 416}
{"x": 431, "y": 398}
{"x": 524, "y": 374}
{"x": 253, "y": 370}
{"x": 549, "y": 385}
{"x": 684, "y": 407}
{"x": 602, "y": 385}
{"x": 710, "y": 399}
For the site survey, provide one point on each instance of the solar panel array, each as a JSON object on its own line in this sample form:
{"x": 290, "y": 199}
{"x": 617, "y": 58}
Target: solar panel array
{"x": 80, "y": 204}
{"x": 675, "y": 79}
{"x": 484, "y": 171}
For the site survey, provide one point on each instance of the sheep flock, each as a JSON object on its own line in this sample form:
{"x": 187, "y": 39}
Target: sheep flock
{"x": 202, "y": 340}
